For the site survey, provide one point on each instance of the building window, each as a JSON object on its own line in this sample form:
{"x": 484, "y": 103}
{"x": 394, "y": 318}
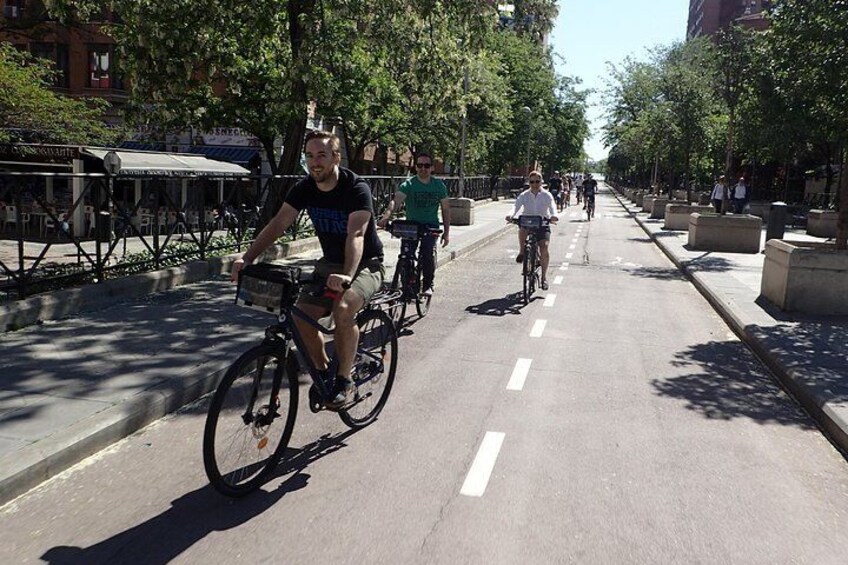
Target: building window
{"x": 99, "y": 66}
{"x": 13, "y": 9}
{"x": 57, "y": 55}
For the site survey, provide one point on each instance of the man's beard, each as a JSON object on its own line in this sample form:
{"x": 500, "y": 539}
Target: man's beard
{"x": 323, "y": 175}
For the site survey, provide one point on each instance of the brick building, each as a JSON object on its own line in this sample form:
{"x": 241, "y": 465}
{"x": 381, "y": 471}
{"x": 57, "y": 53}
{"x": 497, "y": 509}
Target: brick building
{"x": 83, "y": 56}
{"x": 706, "y": 17}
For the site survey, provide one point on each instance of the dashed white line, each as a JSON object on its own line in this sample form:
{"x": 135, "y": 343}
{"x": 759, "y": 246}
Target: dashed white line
{"x": 538, "y": 328}
{"x": 478, "y": 476}
{"x": 549, "y": 301}
{"x": 572, "y": 246}
{"x": 569, "y": 255}
{"x": 519, "y": 374}
{"x": 558, "y": 279}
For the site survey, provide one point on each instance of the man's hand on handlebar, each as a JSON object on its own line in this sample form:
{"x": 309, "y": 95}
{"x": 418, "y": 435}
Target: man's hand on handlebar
{"x": 238, "y": 265}
{"x": 338, "y": 282}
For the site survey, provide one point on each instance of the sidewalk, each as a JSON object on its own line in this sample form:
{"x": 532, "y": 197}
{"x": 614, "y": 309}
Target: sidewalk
{"x": 808, "y": 355}
{"x": 73, "y": 386}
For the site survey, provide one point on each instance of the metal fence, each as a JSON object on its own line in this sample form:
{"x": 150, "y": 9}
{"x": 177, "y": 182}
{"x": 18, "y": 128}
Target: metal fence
{"x": 64, "y": 229}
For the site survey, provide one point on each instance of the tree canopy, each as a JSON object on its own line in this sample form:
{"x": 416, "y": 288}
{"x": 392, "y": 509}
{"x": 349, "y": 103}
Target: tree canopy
{"x": 31, "y": 112}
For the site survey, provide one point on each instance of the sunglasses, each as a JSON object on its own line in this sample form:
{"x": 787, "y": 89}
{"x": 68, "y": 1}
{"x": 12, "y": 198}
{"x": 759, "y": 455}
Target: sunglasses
{"x": 424, "y": 165}
{"x": 535, "y": 182}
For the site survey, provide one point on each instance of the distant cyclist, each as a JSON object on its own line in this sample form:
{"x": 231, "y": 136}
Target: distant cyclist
{"x": 535, "y": 202}
{"x": 423, "y": 195}
{"x": 555, "y": 186}
{"x": 590, "y": 187}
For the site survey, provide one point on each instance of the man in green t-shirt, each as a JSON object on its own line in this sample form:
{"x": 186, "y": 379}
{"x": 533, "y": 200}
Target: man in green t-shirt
{"x": 423, "y": 195}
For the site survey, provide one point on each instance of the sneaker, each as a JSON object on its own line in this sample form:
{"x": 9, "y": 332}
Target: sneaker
{"x": 519, "y": 258}
{"x": 344, "y": 390}
{"x": 428, "y": 292}
{"x": 544, "y": 285}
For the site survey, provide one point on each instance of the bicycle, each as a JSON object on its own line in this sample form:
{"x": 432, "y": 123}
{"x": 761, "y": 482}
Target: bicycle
{"x": 252, "y": 412}
{"x": 532, "y": 265}
{"x": 408, "y": 272}
{"x": 590, "y": 208}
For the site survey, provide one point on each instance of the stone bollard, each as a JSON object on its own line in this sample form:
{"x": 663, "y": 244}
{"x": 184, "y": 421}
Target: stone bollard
{"x": 461, "y": 211}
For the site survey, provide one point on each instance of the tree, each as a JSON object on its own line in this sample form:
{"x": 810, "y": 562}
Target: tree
{"x": 31, "y": 112}
{"x": 806, "y": 42}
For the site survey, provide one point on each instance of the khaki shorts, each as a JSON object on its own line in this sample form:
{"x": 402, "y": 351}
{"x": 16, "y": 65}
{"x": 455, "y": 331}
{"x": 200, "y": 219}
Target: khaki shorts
{"x": 368, "y": 280}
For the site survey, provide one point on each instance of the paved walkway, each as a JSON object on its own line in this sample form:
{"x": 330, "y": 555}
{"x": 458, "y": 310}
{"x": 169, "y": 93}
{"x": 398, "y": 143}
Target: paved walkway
{"x": 71, "y": 387}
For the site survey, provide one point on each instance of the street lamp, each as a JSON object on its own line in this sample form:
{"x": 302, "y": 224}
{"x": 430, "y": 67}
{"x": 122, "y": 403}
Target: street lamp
{"x": 529, "y": 112}
{"x": 464, "y": 130}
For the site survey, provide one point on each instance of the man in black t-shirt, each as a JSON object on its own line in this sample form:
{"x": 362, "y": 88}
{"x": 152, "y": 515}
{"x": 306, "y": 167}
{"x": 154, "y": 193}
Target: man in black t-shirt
{"x": 340, "y": 206}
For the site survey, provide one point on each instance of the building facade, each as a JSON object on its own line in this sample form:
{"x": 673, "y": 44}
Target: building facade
{"x": 706, "y": 17}
{"x": 83, "y": 57}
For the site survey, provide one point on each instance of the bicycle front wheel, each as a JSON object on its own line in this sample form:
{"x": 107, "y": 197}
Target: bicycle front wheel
{"x": 399, "y": 282}
{"x": 373, "y": 369}
{"x": 250, "y": 421}
{"x": 422, "y": 301}
{"x": 528, "y": 274}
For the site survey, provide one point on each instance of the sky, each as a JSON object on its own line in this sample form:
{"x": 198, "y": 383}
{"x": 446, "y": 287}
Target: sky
{"x": 588, "y": 33}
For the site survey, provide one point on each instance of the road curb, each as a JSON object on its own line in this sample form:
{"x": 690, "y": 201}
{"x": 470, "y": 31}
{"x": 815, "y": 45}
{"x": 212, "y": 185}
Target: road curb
{"x": 789, "y": 379}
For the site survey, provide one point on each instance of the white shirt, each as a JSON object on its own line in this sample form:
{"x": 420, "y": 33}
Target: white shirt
{"x": 740, "y": 192}
{"x": 541, "y": 204}
{"x": 718, "y": 192}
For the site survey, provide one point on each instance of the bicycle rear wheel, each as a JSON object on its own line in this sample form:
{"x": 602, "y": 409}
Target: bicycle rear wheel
{"x": 250, "y": 421}
{"x": 374, "y": 368}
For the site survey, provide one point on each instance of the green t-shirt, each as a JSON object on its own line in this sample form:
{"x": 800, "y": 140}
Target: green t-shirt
{"x": 422, "y": 200}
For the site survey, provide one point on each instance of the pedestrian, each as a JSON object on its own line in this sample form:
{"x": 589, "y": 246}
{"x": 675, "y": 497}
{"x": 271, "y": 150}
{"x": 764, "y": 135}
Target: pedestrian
{"x": 423, "y": 195}
{"x": 340, "y": 205}
{"x": 493, "y": 186}
{"x": 719, "y": 194}
{"x": 740, "y": 196}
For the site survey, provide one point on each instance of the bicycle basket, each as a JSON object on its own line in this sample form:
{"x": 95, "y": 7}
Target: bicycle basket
{"x": 530, "y": 222}
{"x": 267, "y": 287}
{"x": 405, "y": 230}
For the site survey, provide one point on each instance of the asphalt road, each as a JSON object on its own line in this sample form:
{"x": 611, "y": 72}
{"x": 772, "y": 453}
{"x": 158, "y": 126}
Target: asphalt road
{"x": 635, "y": 429}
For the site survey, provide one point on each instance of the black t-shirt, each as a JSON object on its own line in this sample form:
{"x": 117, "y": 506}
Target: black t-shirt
{"x": 590, "y": 186}
{"x": 329, "y": 213}
{"x": 555, "y": 185}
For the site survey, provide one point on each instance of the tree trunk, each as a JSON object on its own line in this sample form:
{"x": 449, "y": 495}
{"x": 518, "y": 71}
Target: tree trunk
{"x": 842, "y": 221}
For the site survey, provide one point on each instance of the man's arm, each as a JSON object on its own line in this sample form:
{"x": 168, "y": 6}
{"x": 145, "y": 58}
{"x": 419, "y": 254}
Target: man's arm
{"x": 357, "y": 223}
{"x": 395, "y": 203}
{"x": 446, "y": 221}
{"x": 518, "y": 204}
{"x": 269, "y": 234}
{"x": 552, "y": 209}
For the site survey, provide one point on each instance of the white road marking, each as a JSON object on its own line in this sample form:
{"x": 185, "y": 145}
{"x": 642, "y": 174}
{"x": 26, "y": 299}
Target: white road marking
{"x": 558, "y": 279}
{"x": 549, "y": 301}
{"x": 519, "y": 374}
{"x": 478, "y": 476}
{"x": 538, "y": 328}
{"x": 564, "y": 267}
{"x": 569, "y": 255}
{"x": 572, "y": 246}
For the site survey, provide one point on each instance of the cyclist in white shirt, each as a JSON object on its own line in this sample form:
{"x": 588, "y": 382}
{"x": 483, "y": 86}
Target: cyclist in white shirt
{"x": 535, "y": 202}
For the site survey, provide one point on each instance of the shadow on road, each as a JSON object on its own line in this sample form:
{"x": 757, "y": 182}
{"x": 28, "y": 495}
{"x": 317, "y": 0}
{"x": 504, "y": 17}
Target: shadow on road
{"x": 509, "y": 304}
{"x": 728, "y": 382}
{"x": 196, "y": 514}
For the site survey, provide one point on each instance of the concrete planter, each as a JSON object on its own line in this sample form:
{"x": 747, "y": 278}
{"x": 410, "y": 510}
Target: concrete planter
{"x": 703, "y": 198}
{"x": 461, "y": 211}
{"x": 734, "y": 234}
{"x": 648, "y": 203}
{"x": 677, "y": 215}
{"x": 805, "y": 277}
{"x": 658, "y": 207}
{"x": 822, "y": 223}
{"x": 637, "y": 198}
{"x": 760, "y": 209}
